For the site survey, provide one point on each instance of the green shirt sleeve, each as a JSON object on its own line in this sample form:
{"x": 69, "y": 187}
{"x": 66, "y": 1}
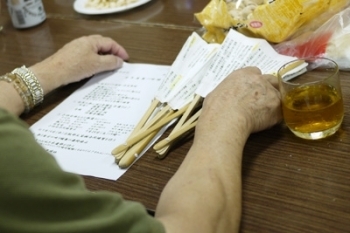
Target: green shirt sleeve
{"x": 37, "y": 196}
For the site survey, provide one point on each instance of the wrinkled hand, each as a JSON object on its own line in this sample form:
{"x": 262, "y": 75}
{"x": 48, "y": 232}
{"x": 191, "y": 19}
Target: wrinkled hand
{"x": 79, "y": 59}
{"x": 246, "y": 101}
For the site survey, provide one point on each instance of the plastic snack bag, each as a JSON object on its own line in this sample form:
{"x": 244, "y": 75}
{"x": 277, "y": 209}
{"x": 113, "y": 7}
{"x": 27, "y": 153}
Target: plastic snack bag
{"x": 273, "y": 20}
{"x": 330, "y": 40}
{"x": 216, "y": 20}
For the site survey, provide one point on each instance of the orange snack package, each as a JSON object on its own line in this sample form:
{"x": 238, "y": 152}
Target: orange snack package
{"x": 275, "y": 21}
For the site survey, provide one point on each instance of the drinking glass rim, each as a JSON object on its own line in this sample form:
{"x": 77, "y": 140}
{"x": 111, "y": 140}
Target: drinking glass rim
{"x": 335, "y": 71}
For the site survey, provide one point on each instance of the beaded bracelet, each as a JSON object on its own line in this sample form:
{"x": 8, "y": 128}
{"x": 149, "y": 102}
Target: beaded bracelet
{"x": 21, "y": 88}
{"x": 32, "y": 84}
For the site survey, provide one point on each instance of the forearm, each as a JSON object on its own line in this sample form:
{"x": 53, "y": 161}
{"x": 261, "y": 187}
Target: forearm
{"x": 48, "y": 74}
{"x": 205, "y": 193}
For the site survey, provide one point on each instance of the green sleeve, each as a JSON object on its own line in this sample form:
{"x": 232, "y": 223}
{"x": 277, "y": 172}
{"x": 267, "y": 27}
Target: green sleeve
{"x": 37, "y": 196}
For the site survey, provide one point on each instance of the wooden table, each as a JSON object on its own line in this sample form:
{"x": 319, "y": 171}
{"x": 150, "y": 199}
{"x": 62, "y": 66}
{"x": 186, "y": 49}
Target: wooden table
{"x": 289, "y": 184}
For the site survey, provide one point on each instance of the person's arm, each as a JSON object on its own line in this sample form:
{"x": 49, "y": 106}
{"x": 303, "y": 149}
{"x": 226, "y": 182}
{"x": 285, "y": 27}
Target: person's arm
{"x": 36, "y": 194}
{"x": 79, "y": 59}
{"x": 205, "y": 193}
{"x": 38, "y": 197}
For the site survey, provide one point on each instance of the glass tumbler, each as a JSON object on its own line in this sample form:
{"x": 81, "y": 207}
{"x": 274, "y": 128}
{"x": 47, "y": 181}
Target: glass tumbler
{"x": 312, "y": 102}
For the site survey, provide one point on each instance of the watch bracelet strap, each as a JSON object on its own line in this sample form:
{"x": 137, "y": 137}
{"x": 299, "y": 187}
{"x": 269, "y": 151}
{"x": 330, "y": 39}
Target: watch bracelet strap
{"x": 27, "y": 85}
{"x": 32, "y": 84}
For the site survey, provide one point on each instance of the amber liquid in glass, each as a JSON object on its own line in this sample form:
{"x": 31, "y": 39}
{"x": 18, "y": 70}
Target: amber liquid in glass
{"x": 314, "y": 111}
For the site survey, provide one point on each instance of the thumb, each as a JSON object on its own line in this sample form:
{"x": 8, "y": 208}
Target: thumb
{"x": 272, "y": 79}
{"x": 110, "y": 62}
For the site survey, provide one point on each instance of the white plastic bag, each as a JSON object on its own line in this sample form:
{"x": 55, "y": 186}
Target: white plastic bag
{"x": 331, "y": 40}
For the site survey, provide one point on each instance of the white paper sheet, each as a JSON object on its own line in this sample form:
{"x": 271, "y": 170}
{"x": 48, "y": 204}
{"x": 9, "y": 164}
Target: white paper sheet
{"x": 82, "y": 131}
{"x": 238, "y": 51}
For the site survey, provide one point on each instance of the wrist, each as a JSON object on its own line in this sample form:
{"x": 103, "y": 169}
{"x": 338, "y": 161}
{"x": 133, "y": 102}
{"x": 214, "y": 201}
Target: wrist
{"x": 232, "y": 128}
{"x": 44, "y": 77}
{"x": 10, "y": 100}
{"x": 28, "y": 88}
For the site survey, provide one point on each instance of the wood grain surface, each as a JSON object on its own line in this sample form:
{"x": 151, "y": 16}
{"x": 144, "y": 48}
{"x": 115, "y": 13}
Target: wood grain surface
{"x": 289, "y": 184}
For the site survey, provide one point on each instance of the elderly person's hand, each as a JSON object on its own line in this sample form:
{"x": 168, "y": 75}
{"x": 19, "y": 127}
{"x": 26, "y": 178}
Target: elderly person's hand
{"x": 245, "y": 102}
{"x": 79, "y": 59}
